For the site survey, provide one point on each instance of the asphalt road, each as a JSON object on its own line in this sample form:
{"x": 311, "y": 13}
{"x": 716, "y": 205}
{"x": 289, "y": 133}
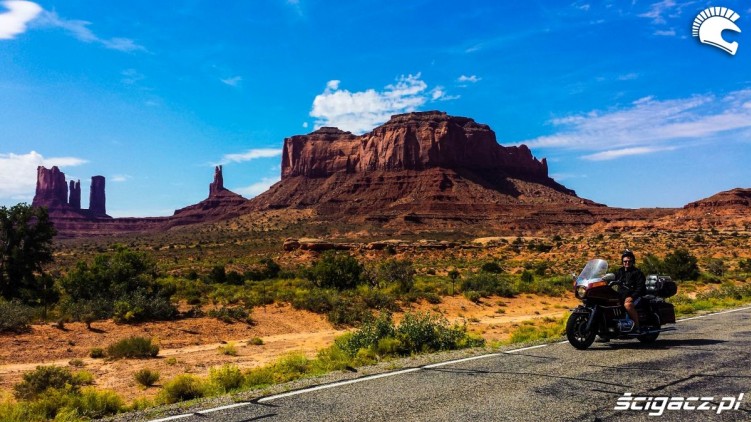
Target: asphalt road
{"x": 707, "y": 357}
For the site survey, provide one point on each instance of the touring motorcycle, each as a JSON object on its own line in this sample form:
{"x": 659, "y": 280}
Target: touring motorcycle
{"x": 602, "y": 313}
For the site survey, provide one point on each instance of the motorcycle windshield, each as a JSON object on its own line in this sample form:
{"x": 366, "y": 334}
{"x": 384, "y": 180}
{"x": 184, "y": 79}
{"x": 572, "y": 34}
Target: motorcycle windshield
{"x": 593, "y": 271}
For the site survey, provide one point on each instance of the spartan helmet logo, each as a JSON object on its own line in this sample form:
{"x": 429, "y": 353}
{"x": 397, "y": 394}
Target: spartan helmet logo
{"x": 710, "y": 23}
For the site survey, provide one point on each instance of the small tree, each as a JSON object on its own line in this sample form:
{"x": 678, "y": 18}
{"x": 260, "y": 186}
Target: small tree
{"x": 681, "y": 265}
{"x": 716, "y": 267}
{"x": 453, "y": 275}
{"x": 399, "y": 272}
{"x": 25, "y": 247}
{"x": 340, "y": 271}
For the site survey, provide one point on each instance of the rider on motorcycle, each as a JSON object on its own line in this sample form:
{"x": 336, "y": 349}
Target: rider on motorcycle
{"x": 632, "y": 285}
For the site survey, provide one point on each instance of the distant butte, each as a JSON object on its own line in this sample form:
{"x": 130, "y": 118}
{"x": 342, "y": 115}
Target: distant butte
{"x": 418, "y": 172}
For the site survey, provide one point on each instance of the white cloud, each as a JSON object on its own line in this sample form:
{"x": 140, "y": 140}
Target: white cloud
{"x": 257, "y": 188}
{"x": 628, "y": 76}
{"x": 233, "y": 81}
{"x": 305, "y": 124}
{"x": 18, "y": 173}
{"x": 471, "y": 78}
{"x": 361, "y": 111}
{"x": 665, "y": 33}
{"x": 251, "y": 154}
{"x": 652, "y": 123}
{"x": 13, "y": 22}
{"x": 79, "y": 29}
{"x": 121, "y": 178}
{"x": 657, "y": 11}
{"x": 618, "y": 153}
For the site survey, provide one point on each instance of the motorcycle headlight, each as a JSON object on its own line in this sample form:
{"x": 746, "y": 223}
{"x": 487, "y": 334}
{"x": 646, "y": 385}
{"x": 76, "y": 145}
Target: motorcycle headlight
{"x": 580, "y": 291}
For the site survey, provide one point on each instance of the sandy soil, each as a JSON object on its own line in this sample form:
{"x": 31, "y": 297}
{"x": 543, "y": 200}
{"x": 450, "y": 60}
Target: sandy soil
{"x": 191, "y": 345}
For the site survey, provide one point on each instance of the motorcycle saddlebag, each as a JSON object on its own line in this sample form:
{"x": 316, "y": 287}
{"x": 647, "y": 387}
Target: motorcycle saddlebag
{"x": 666, "y": 311}
{"x": 661, "y": 285}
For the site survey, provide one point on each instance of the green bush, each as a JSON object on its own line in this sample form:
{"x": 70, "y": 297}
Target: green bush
{"x": 181, "y": 388}
{"x": 491, "y": 267}
{"x": 230, "y": 315}
{"x": 398, "y": 272}
{"x": 146, "y": 377}
{"x": 291, "y": 367}
{"x": 348, "y": 311}
{"x": 43, "y": 378}
{"x": 487, "y": 284}
{"x": 228, "y": 349}
{"x": 255, "y": 341}
{"x": 417, "y": 333}
{"x": 96, "y": 353}
{"x": 681, "y": 265}
{"x": 133, "y": 347}
{"x": 314, "y": 300}
{"x": 338, "y": 271}
{"x": 93, "y": 404}
{"x": 226, "y": 378}
{"x": 15, "y": 317}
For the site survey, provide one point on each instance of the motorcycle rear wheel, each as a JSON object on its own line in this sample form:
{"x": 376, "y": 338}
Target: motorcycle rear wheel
{"x": 576, "y": 334}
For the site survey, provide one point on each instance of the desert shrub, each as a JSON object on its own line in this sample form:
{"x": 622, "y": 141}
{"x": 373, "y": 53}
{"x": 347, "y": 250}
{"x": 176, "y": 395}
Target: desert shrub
{"x": 314, "y": 300}
{"x": 744, "y": 265}
{"x": 527, "y": 277}
{"x": 218, "y": 274}
{"x": 181, "y": 388}
{"x": 226, "y": 378}
{"x": 681, "y": 265}
{"x": 255, "y": 341}
{"x": 146, "y": 377}
{"x": 43, "y": 378}
{"x": 133, "y": 347}
{"x": 231, "y": 314}
{"x": 491, "y": 267}
{"x": 716, "y": 267}
{"x": 142, "y": 306}
{"x": 424, "y": 332}
{"x": 487, "y": 284}
{"x": 228, "y": 349}
{"x": 398, "y": 272}
{"x": 76, "y": 362}
{"x": 348, "y": 311}
{"x": 332, "y": 270}
{"x": 417, "y": 333}
{"x": 94, "y": 404}
{"x": 291, "y": 367}
{"x": 378, "y": 299}
{"x": 15, "y": 317}
{"x": 267, "y": 269}
{"x": 473, "y": 296}
{"x": 122, "y": 284}
{"x": 96, "y": 353}
{"x": 258, "y": 377}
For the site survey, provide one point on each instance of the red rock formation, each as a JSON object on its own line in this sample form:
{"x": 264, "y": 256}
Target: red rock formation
{"x": 221, "y": 204}
{"x": 413, "y": 141}
{"x": 51, "y": 190}
{"x": 218, "y": 184}
{"x": 416, "y": 168}
{"x": 75, "y": 195}
{"x": 97, "y": 198}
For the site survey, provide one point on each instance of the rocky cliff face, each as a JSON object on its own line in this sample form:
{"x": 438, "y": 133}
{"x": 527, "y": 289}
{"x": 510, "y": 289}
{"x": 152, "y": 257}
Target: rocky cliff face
{"x": 418, "y": 168}
{"x": 413, "y": 141}
{"x": 75, "y": 195}
{"x": 51, "y": 190}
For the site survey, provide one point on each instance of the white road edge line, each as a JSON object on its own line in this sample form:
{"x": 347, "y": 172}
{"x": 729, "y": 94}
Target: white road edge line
{"x": 395, "y": 373}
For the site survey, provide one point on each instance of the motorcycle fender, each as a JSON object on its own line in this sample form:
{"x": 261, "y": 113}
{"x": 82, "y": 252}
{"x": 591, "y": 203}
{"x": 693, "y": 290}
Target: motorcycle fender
{"x": 593, "y": 314}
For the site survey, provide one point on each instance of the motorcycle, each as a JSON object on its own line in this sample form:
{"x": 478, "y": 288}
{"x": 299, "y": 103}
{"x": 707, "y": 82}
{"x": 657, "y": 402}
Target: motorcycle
{"x": 602, "y": 314}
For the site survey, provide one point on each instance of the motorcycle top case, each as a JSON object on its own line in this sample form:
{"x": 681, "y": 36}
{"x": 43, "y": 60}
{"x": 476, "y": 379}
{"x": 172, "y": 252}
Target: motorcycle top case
{"x": 661, "y": 285}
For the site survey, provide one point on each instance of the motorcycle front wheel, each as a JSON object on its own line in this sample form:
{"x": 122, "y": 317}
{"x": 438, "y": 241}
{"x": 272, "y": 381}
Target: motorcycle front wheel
{"x": 576, "y": 333}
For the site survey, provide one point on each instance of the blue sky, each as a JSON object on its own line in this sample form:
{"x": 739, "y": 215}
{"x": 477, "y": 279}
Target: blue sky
{"x": 629, "y": 109}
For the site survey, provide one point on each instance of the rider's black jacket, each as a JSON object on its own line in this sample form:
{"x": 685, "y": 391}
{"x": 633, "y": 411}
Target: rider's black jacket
{"x": 632, "y": 282}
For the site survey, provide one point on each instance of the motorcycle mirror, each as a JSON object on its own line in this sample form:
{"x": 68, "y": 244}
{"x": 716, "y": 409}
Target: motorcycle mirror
{"x": 609, "y": 277}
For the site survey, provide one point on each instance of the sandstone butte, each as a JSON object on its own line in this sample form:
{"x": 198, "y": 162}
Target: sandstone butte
{"x": 419, "y": 172}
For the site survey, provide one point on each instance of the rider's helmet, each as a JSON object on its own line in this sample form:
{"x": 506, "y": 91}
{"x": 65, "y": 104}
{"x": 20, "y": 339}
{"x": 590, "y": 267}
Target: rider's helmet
{"x": 628, "y": 253}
